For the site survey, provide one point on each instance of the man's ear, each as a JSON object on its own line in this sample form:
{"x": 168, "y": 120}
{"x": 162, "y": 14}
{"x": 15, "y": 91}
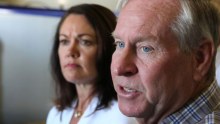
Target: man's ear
{"x": 203, "y": 58}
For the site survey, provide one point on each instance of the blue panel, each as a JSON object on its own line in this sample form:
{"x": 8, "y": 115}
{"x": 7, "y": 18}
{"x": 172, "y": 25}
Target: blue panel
{"x": 32, "y": 11}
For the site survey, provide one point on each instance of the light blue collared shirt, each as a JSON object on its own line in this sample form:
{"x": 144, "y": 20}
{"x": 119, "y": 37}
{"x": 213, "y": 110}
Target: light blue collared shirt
{"x": 203, "y": 110}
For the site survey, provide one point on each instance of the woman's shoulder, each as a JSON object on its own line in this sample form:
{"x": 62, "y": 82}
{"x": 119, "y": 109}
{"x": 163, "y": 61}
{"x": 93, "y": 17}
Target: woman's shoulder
{"x": 53, "y": 114}
{"x": 56, "y": 117}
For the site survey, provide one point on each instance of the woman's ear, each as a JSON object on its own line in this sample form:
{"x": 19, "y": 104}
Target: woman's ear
{"x": 203, "y": 56}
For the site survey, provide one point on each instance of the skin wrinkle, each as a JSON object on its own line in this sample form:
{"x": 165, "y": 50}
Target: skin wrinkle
{"x": 154, "y": 9}
{"x": 154, "y": 64}
{"x": 160, "y": 12}
{"x": 151, "y": 55}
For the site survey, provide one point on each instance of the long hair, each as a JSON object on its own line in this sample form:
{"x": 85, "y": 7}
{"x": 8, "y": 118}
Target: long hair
{"x": 103, "y": 21}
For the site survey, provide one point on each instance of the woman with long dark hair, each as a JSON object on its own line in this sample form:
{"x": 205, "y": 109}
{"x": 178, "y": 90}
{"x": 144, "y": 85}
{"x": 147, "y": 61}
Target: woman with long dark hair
{"x": 80, "y": 63}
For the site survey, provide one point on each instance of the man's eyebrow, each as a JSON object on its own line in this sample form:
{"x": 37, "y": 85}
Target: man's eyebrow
{"x": 114, "y": 35}
{"x": 138, "y": 38}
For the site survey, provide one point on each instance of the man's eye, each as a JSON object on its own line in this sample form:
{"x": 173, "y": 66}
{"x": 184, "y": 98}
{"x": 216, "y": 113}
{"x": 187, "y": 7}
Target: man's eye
{"x": 146, "y": 49}
{"x": 120, "y": 44}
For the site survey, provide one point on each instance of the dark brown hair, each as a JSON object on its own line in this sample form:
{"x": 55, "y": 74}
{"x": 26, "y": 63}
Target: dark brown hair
{"x": 103, "y": 21}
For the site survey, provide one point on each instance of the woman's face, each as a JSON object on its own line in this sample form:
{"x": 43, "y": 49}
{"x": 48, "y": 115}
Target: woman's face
{"x": 78, "y": 50}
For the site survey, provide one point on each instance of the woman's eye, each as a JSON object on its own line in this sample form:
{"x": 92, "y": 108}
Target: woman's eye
{"x": 146, "y": 49}
{"x": 120, "y": 44}
{"x": 64, "y": 41}
{"x": 85, "y": 42}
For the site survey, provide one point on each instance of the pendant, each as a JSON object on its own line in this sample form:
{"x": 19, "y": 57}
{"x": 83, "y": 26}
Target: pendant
{"x": 78, "y": 114}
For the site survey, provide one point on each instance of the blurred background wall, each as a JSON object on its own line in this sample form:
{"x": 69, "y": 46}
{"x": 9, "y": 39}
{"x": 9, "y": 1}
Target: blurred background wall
{"x": 58, "y": 4}
{"x": 25, "y": 83}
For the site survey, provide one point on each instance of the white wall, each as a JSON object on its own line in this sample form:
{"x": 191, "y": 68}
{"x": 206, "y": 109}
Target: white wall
{"x": 25, "y": 82}
{"x": 55, "y": 4}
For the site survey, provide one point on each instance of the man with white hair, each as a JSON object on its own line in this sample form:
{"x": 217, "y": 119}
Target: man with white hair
{"x": 163, "y": 68}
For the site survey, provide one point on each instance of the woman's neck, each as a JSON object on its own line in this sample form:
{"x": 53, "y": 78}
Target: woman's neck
{"x": 85, "y": 93}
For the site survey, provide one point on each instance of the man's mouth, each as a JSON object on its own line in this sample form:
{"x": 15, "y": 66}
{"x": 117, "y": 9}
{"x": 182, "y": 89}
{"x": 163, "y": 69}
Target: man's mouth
{"x": 129, "y": 90}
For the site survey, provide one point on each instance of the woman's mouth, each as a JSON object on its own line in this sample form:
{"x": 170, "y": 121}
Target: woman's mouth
{"x": 72, "y": 65}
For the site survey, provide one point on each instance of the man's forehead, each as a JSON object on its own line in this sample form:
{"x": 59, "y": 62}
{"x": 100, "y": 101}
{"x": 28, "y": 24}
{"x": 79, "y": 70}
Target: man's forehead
{"x": 151, "y": 6}
{"x": 145, "y": 20}
{"x": 139, "y": 12}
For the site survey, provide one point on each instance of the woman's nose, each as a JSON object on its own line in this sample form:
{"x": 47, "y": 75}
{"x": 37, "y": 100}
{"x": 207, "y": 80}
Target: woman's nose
{"x": 73, "y": 49}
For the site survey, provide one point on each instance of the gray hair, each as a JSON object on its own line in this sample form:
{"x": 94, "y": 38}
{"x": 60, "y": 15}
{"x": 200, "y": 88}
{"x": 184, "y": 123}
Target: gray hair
{"x": 120, "y": 5}
{"x": 197, "y": 20}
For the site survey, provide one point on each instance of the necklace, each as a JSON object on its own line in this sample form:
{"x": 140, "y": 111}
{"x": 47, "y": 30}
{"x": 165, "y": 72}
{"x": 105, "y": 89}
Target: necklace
{"x": 78, "y": 114}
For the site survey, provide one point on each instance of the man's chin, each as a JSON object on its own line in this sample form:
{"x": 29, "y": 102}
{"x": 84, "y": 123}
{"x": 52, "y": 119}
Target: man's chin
{"x": 131, "y": 113}
{"x": 131, "y": 108}
{"x": 128, "y": 109}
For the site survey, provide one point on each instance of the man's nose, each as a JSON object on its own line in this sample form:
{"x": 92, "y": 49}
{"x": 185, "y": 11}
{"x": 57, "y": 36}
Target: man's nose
{"x": 123, "y": 63}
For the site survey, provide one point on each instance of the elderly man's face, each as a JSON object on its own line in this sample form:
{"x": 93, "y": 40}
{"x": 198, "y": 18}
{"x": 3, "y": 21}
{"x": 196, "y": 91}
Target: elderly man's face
{"x": 149, "y": 71}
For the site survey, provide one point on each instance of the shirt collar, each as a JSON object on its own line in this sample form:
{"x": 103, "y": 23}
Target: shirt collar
{"x": 195, "y": 111}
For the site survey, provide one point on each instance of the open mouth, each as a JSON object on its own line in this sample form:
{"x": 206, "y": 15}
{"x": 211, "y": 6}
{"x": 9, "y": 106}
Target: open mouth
{"x": 129, "y": 90}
